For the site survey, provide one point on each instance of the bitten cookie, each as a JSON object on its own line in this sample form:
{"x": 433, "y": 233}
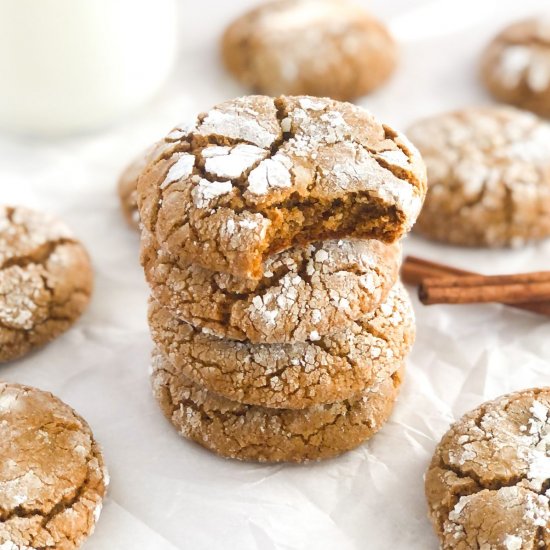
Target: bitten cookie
{"x": 323, "y": 287}
{"x": 258, "y": 175}
{"x": 45, "y": 280}
{"x": 489, "y": 174}
{"x": 487, "y": 485}
{"x": 322, "y": 370}
{"x": 245, "y": 432}
{"x": 52, "y": 475}
{"x": 309, "y": 47}
{"x": 515, "y": 67}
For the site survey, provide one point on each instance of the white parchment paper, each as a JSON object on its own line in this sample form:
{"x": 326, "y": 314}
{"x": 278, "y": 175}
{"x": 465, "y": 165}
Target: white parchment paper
{"x": 168, "y": 494}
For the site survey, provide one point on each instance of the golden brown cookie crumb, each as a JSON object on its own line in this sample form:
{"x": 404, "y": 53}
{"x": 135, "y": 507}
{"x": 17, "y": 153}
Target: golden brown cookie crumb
{"x": 246, "y": 432}
{"x": 52, "y": 475}
{"x": 515, "y": 67}
{"x": 322, "y": 287}
{"x": 489, "y": 174}
{"x": 45, "y": 280}
{"x": 259, "y": 175}
{"x": 487, "y": 485}
{"x": 321, "y": 48}
{"x": 323, "y": 369}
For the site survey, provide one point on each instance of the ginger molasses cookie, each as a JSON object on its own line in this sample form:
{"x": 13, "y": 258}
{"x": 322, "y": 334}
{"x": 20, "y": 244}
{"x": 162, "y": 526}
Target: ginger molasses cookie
{"x": 323, "y": 369}
{"x": 321, "y": 48}
{"x": 258, "y": 175}
{"x": 127, "y": 187}
{"x": 52, "y": 475}
{"x": 247, "y": 432}
{"x": 322, "y": 287}
{"x": 487, "y": 485}
{"x": 45, "y": 280}
{"x": 515, "y": 66}
{"x": 489, "y": 176}
{"x": 127, "y": 182}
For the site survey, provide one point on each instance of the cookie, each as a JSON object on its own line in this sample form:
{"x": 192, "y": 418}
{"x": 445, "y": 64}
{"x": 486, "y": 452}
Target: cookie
{"x": 320, "y": 48}
{"x": 245, "y": 432}
{"x": 489, "y": 174}
{"x": 127, "y": 189}
{"x": 52, "y": 475}
{"x": 323, "y": 369}
{"x": 487, "y": 485}
{"x": 323, "y": 287}
{"x": 259, "y": 175}
{"x": 127, "y": 182}
{"x": 45, "y": 280}
{"x": 515, "y": 67}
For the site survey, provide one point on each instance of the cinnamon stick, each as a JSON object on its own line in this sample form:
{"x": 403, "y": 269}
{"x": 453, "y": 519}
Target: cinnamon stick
{"x": 444, "y": 284}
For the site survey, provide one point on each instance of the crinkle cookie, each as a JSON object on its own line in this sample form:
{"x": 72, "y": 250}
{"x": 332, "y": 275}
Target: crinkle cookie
{"x": 487, "y": 485}
{"x": 245, "y": 432}
{"x": 127, "y": 182}
{"x": 52, "y": 475}
{"x": 312, "y": 47}
{"x": 258, "y": 175}
{"x": 515, "y": 67}
{"x": 322, "y": 287}
{"x": 489, "y": 176}
{"x": 323, "y": 369}
{"x": 127, "y": 188}
{"x": 45, "y": 280}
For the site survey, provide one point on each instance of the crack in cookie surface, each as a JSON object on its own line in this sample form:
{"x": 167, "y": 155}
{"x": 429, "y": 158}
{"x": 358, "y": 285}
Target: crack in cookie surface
{"x": 52, "y": 474}
{"x": 247, "y": 432}
{"x": 322, "y": 287}
{"x": 323, "y": 369}
{"x": 489, "y": 172}
{"x": 45, "y": 280}
{"x": 488, "y": 481}
{"x": 325, "y": 172}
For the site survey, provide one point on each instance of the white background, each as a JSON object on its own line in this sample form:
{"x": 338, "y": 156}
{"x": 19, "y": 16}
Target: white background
{"x": 167, "y": 493}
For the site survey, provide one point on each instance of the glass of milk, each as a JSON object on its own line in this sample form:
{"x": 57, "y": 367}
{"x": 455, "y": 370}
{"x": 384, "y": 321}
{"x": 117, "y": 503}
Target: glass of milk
{"x": 68, "y": 66}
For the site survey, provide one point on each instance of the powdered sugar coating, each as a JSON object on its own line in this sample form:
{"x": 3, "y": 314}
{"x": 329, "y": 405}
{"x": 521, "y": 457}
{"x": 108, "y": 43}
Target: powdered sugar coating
{"x": 493, "y": 464}
{"x": 247, "y": 432}
{"x": 323, "y": 286}
{"x": 270, "y": 172}
{"x": 321, "y": 370}
{"x": 516, "y": 65}
{"x": 489, "y": 173}
{"x": 45, "y": 280}
{"x": 52, "y": 475}
{"x": 317, "y": 47}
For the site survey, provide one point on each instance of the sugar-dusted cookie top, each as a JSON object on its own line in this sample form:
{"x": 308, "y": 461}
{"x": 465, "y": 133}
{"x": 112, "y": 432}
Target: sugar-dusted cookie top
{"x": 52, "y": 475}
{"x": 321, "y": 287}
{"x": 45, "y": 280}
{"x": 487, "y": 485}
{"x": 258, "y": 175}
{"x": 330, "y": 48}
{"x": 515, "y": 66}
{"x": 489, "y": 176}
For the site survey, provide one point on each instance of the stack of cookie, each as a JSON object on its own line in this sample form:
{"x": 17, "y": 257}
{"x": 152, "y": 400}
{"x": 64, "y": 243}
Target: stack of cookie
{"x": 269, "y": 240}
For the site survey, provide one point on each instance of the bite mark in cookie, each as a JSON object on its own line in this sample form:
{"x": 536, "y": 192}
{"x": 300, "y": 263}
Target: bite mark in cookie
{"x": 325, "y": 172}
